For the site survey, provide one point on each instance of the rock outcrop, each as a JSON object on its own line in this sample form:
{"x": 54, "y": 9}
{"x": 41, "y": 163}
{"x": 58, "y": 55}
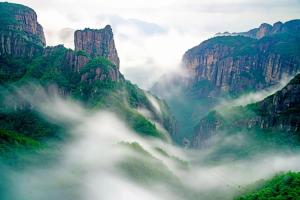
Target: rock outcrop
{"x": 95, "y": 56}
{"x": 97, "y": 42}
{"x": 20, "y": 32}
{"x": 89, "y": 74}
{"x": 87, "y": 68}
{"x": 22, "y": 36}
{"x": 280, "y": 110}
{"x": 237, "y": 64}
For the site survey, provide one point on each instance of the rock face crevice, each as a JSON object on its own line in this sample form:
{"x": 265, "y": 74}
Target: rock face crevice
{"x": 97, "y": 42}
{"x": 237, "y": 64}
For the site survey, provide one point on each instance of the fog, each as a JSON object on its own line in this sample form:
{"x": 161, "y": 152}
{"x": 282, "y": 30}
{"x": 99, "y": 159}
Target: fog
{"x": 253, "y": 97}
{"x": 98, "y": 161}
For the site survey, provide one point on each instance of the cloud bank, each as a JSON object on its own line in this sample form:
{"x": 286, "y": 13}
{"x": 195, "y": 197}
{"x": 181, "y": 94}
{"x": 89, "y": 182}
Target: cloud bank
{"x": 100, "y": 163}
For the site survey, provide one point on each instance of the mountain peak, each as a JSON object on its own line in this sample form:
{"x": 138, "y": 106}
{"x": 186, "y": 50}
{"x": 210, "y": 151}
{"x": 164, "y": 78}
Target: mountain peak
{"x": 265, "y": 25}
{"x": 16, "y": 17}
{"x": 263, "y": 30}
{"x": 278, "y": 23}
{"x": 108, "y": 28}
{"x": 97, "y": 42}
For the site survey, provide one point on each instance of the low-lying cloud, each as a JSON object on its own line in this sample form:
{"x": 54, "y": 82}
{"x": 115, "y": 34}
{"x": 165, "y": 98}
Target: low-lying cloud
{"x": 87, "y": 166}
{"x": 253, "y": 97}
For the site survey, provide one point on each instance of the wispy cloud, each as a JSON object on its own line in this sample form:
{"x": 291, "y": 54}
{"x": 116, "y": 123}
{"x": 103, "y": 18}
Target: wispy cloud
{"x": 88, "y": 165}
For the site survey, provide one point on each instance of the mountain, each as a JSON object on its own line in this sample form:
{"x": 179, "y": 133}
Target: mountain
{"x": 276, "y": 113}
{"x": 97, "y": 43}
{"x": 20, "y": 33}
{"x": 229, "y": 66}
{"x": 72, "y": 114}
{"x": 266, "y": 29}
{"x": 89, "y": 74}
{"x": 244, "y": 62}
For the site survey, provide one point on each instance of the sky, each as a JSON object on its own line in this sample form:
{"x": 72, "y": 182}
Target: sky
{"x": 151, "y": 36}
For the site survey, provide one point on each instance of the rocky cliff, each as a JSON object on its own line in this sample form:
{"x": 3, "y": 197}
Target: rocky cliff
{"x": 88, "y": 65}
{"x": 280, "y": 110}
{"x": 20, "y": 32}
{"x": 276, "y": 113}
{"x": 22, "y": 35}
{"x": 84, "y": 66}
{"x": 237, "y": 64}
{"x": 89, "y": 74}
{"x": 97, "y": 43}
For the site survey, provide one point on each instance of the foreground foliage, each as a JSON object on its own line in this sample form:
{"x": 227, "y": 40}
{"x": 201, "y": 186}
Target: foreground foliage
{"x": 281, "y": 187}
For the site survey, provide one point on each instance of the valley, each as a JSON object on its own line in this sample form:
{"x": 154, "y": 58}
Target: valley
{"x": 224, "y": 126}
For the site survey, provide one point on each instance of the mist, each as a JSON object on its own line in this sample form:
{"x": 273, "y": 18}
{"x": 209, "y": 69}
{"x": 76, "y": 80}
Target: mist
{"x": 105, "y": 159}
{"x": 253, "y": 97}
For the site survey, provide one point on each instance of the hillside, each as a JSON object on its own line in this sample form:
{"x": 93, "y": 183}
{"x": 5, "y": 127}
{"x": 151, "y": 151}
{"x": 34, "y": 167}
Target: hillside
{"x": 89, "y": 74}
{"x": 277, "y": 113}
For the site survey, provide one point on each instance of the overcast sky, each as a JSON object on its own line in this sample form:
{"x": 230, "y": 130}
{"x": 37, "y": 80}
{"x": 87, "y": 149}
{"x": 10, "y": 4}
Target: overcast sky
{"x": 152, "y": 35}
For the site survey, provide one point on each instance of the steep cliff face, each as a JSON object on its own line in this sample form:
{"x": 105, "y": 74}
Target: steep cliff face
{"x": 20, "y": 32}
{"x": 16, "y": 45}
{"x": 237, "y": 64}
{"x": 97, "y": 43}
{"x": 93, "y": 57}
{"x": 280, "y": 110}
{"x": 89, "y": 74}
{"x": 278, "y": 113}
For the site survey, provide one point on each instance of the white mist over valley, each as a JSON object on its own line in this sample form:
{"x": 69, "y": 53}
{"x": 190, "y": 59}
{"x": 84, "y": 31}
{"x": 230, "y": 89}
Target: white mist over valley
{"x": 92, "y": 163}
{"x": 156, "y": 100}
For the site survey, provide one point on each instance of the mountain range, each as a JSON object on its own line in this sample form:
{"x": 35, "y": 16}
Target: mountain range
{"x": 89, "y": 74}
{"x": 228, "y": 67}
{"x": 182, "y": 109}
{"x": 245, "y": 62}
